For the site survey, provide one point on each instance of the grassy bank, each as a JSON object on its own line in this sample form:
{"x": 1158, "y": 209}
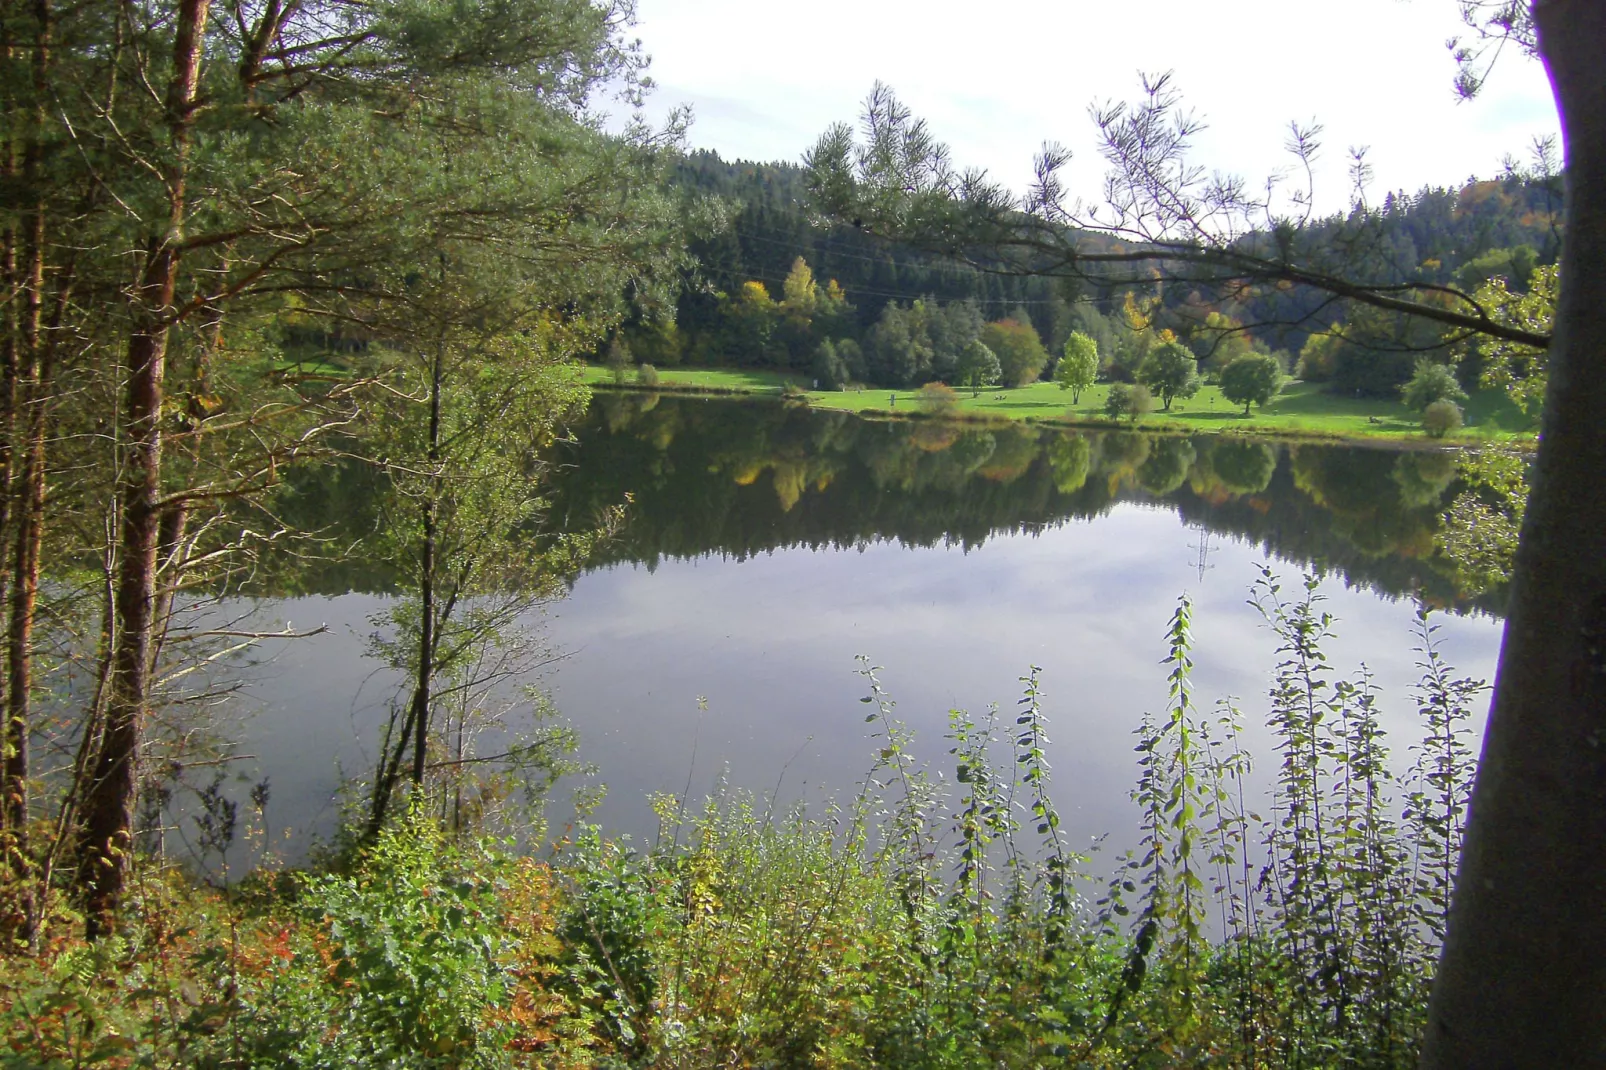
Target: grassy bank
{"x": 1302, "y": 410}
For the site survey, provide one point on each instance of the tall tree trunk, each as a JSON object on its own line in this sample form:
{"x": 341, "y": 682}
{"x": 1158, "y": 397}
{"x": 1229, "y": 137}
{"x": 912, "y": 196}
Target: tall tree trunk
{"x": 29, "y": 525}
{"x": 1522, "y": 982}
{"x": 10, "y": 337}
{"x": 414, "y": 728}
{"x": 425, "y": 676}
{"x": 14, "y": 808}
{"x": 106, "y": 831}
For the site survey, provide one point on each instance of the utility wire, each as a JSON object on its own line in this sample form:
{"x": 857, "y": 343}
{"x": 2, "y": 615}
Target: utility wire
{"x": 863, "y": 290}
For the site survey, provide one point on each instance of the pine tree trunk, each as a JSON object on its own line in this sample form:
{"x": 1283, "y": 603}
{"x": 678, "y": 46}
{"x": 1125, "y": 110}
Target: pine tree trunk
{"x": 425, "y": 669}
{"x": 414, "y": 728}
{"x": 29, "y": 524}
{"x": 106, "y": 829}
{"x": 28, "y": 345}
{"x": 1522, "y": 982}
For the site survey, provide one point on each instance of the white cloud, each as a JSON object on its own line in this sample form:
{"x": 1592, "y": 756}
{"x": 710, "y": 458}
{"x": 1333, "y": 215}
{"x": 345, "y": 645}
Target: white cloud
{"x": 996, "y": 80}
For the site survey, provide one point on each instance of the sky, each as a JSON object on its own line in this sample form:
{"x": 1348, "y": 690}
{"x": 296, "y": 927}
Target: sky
{"x": 996, "y": 80}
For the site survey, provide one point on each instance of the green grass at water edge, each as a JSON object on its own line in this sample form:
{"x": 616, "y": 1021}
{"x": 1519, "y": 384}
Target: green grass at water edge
{"x": 1301, "y": 409}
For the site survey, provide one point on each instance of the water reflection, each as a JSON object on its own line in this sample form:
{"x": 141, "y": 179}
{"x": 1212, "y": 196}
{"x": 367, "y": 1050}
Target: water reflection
{"x": 767, "y": 546}
{"x": 738, "y": 478}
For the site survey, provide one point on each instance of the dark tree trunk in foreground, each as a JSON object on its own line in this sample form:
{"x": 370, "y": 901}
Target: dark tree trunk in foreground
{"x": 415, "y": 728}
{"x": 106, "y": 829}
{"x": 1523, "y": 978}
{"x": 30, "y": 345}
{"x": 108, "y": 805}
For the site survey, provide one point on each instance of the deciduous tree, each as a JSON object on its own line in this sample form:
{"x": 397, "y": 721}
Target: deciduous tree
{"x": 978, "y": 366}
{"x": 1079, "y": 365}
{"x": 1020, "y": 352}
{"x": 1253, "y": 379}
{"x": 1170, "y": 371}
{"x": 1431, "y": 382}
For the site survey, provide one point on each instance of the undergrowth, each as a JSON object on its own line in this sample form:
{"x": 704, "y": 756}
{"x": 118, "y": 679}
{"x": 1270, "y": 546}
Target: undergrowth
{"x": 928, "y": 922}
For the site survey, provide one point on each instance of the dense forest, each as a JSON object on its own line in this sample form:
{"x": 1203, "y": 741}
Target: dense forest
{"x": 774, "y": 284}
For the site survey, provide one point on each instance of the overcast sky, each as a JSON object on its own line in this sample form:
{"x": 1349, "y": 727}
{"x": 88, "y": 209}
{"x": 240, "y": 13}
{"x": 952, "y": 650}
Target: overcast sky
{"x": 996, "y": 79}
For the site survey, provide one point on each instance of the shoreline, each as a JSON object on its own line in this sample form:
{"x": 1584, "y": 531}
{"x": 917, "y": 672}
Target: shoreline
{"x": 872, "y": 404}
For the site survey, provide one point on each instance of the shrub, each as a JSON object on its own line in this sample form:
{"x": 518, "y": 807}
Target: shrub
{"x": 647, "y": 375}
{"x": 938, "y": 399}
{"x": 1431, "y": 383}
{"x": 1129, "y": 401}
{"x": 424, "y": 955}
{"x": 1440, "y": 418}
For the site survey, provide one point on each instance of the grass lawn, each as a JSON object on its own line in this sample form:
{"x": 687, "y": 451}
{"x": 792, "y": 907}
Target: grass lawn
{"x": 723, "y": 380}
{"x": 1301, "y": 409}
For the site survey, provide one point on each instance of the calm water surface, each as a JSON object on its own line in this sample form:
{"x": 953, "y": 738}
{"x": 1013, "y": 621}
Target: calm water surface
{"x": 767, "y": 548}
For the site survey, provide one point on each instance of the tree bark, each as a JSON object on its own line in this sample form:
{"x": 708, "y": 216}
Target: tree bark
{"x": 29, "y": 525}
{"x": 425, "y": 675}
{"x": 29, "y": 346}
{"x": 415, "y": 727}
{"x": 1522, "y": 982}
{"x": 106, "y": 831}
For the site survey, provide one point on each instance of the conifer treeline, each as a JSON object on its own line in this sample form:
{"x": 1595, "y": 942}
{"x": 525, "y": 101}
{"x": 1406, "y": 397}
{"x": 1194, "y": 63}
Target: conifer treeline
{"x": 748, "y": 306}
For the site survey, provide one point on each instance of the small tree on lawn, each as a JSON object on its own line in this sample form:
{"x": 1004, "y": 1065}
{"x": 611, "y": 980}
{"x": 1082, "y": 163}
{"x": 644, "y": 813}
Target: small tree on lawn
{"x": 978, "y": 366}
{"x": 1252, "y": 379}
{"x": 1171, "y": 371}
{"x": 1079, "y": 365}
{"x": 1431, "y": 383}
{"x": 618, "y": 359}
{"x": 830, "y": 371}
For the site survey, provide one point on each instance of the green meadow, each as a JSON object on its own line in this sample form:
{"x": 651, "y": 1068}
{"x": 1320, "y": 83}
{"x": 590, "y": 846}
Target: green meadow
{"x": 1302, "y": 409}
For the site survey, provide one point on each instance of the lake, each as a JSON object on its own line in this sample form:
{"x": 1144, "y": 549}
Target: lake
{"x": 767, "y": 547}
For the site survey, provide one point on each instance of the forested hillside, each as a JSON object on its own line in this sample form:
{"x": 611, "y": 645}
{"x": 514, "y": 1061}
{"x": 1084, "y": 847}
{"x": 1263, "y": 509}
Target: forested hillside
{"x": 773, "y": 281}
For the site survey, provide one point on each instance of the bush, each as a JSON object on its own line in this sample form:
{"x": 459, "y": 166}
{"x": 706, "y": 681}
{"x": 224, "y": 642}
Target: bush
{"x": 1431, "y": 383}
{"x": 1129, "y": 401}
{"x": 938, "y": 399}
{"x": 428, "y": 954}
{"x": 647, "y": 375}
{"x": 1441, "y": 417}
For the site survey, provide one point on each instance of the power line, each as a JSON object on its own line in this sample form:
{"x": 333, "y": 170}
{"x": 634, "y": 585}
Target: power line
{"x": 864, "y": 290}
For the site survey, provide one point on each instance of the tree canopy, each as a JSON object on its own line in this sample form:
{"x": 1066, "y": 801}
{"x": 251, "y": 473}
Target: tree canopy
{"x": 1078, "y": 366}
{"x": 1252, "y": 379}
